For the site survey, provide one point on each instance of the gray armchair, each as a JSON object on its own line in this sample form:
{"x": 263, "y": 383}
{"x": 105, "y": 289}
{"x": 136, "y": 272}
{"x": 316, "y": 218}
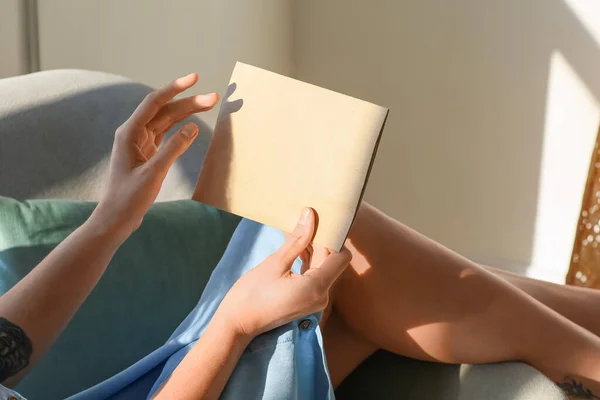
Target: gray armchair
{"x": 56, "y": 131}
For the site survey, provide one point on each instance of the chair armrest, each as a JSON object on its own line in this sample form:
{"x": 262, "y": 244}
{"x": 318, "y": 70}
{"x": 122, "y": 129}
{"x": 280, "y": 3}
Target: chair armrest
{"x": 504, "y": 381}
{"x": 389, "y": 376}
{"x": 57, "y": 129}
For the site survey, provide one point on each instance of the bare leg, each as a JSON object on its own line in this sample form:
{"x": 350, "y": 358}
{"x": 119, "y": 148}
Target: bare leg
{"x": 580, "y": 305}
{"x": 409, "y": 295}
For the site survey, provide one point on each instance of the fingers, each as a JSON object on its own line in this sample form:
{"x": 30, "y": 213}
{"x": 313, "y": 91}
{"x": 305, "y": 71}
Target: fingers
{"x": 298, "y": 240}
{"x": 178, "y": 110}
{"x": 332, "y": 267}
{"x": 152, "y": 103}
{"x": 174, "y": 147}
{"x": 306, "y": 257}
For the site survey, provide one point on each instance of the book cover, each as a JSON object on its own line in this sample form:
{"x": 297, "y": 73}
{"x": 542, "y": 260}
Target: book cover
{"x": 280, "y": 145}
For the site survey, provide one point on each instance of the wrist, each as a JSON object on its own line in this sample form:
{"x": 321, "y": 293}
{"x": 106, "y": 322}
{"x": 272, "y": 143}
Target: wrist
{"x": 225, "y": 323}
{"x": 107, "y": 225}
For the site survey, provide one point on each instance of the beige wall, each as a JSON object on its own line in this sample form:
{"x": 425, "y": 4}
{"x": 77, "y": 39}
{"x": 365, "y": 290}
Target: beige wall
{"x": 153, "y": 42}
{"x": 494, "y": 104}
{"x": 462, "y": 158}
{"x": 12, "y": 39}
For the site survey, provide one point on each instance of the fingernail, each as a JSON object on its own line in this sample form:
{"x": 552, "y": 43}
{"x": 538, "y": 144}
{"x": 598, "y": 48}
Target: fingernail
{"x": 303, "y": 224}
{"x": 189, "y": 130}
{"x": 182, "y": 79}
{"x": 202, "y": 99}
{"x": 304, "y": 217}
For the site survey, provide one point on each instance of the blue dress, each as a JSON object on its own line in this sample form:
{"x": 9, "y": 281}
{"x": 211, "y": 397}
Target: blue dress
{"x": 285, "y": 363}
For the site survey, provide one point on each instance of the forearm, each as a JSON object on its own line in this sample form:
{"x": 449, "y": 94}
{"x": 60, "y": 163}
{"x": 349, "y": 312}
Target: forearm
{"x": 35, "y": 311}
{"x": 205, "y": 370}
{"x": 43, "y": 302}
{"x": 263, "y": 298}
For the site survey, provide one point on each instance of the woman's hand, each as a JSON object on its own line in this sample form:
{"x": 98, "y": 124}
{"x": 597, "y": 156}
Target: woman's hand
{"x": 270, "y": 295}
{"x": 138, "y": 165}
{"x": 41, "y": 304}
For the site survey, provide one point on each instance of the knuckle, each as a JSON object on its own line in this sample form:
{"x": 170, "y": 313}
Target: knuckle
{"x": 168, "y": 121}
{"x": 294, "y": 239}
{"x": 346, "y": 255}
{"x": 287, "y": 248}
{"x": 120, "y": 131}
{"x": 297, "y": 243}
{"x": 323, "y": 303}
{"x": 151, "y": 98}
{"x": 274, "y": 258}
{"x": 317, "y": 295}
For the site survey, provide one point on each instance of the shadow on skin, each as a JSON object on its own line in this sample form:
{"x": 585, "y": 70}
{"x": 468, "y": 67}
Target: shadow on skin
{"x": 396, "y": 273}
{"x": 505, "y": 108}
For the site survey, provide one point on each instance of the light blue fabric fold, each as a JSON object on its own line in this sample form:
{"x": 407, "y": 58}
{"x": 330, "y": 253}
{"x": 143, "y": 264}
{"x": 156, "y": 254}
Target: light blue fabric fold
{"x": 285, "y": 363}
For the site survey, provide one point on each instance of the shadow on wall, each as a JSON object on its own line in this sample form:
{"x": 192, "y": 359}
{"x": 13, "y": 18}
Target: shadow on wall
{"x": 466, "y": 82}
{"x": 46, "y": 145}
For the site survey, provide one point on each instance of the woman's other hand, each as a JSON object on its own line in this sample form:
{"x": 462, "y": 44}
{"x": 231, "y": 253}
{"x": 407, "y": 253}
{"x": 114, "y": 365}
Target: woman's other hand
{"x": 271, "y": 295}
{"x": 139, "y": 163}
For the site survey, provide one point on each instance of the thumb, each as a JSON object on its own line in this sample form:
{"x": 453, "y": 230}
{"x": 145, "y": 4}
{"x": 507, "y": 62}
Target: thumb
{"x": 175, "y": 146}
{"x": 299, "y": 239}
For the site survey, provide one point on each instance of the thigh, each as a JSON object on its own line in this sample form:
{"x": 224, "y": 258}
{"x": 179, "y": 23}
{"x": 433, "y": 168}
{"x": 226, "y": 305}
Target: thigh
{"x": 409, "y": 295}
{"x": 344, "y": 348}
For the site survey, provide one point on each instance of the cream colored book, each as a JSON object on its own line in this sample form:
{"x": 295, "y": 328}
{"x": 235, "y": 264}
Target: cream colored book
{"x": 280, "y": 145}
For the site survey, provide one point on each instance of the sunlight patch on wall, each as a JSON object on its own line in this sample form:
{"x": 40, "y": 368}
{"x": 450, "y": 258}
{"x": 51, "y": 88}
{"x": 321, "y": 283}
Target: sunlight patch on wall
{"x": 571, "y": 124}
{"x": 588, "y": 13}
